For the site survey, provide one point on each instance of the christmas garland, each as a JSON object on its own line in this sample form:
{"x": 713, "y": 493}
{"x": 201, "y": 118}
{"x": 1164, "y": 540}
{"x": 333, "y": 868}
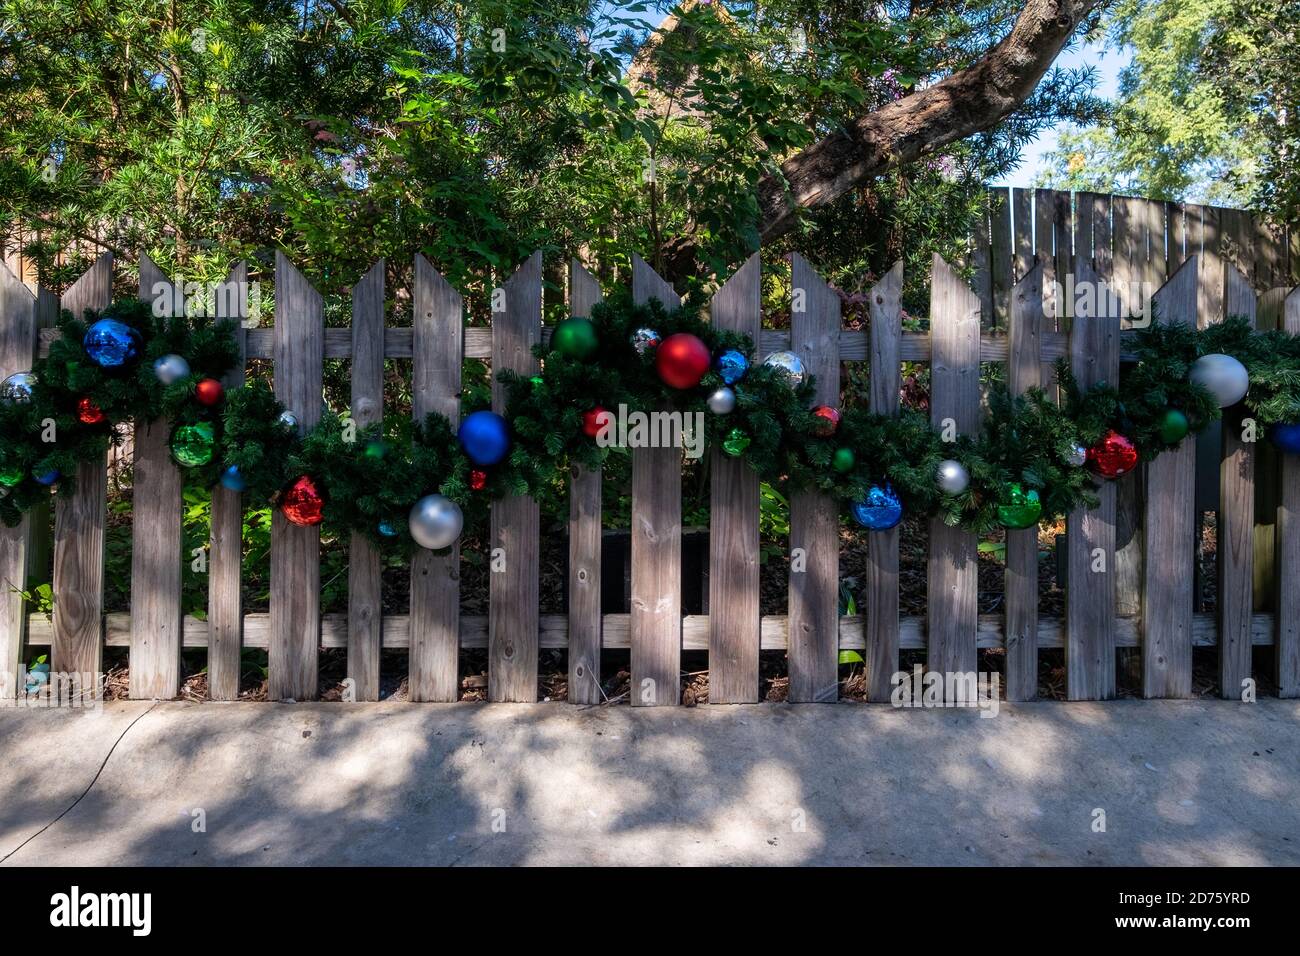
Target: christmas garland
{"x": 402, "y": 483}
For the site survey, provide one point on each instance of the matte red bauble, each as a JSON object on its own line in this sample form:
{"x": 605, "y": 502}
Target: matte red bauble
{"x": 208, "y": 391}
{"x": 302, "y": 503}
{"x": 592, "y": 422}
{"x": 88, "y": 412}
{"x": 478, "y": 480}
{"x": 682, "y": 360}
{"x": 828, "y": 419}
{"x": 1113, "y": 456}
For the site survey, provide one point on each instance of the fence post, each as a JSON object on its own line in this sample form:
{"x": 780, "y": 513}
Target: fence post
{"x": 1169, "y": 522}
{"x": 513, "y": 617}
{"x": 1090, "y": 533}
{"x": 439, "y": 351}
{"x": 584, "y": 539}
{"x": 656, "y": 545}
{"x": 953, "y": 573}
{"x": 295, "y": 550}
{"x": 226, "y": 547}
{"x": 814, "y": 638}
{"x": 78, "y": 642}
{"x": 1236, "y": 520}
{"x": 1287, "y": 606}
{"x": 365, "y": 568}
{"x": 880, "y": 597}
{"x": 734, "y": 627}
{"x": 156, "y": 540}
{"x": 17, "y": 350}
{"x": 1021, "y": 579}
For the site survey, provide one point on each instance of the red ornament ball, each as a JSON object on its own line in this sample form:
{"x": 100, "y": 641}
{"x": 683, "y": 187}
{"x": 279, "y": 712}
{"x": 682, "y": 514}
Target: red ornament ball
{"x": 592, "y": 421}
{"x": 478, "y": 479}
{"x": 828, "y": 420}
{"x": 208, "y": 391}
{"x": 302, "y": 503}
{"x": 1113, "y": 456}
{"x": 88, "y": 413}
{"x": 681, "y": 360}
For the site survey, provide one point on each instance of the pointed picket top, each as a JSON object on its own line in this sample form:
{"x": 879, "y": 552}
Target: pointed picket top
{"x": 424, "y": 271}
{"x": 151, "y": 277}
{"x": 1238, "y": 293}
{"x": 890, "y": 284}
{"x": 299, "y": 337}
{"x": 1174, "y": 303}
{"x": 648, "y": 284}
{"x": 94, "y": 290}
{"x": 738, "y": 303}
{"x": 9, "y": 281}
{"x": 529, "y": 270}
{"x": 584, "y": 290}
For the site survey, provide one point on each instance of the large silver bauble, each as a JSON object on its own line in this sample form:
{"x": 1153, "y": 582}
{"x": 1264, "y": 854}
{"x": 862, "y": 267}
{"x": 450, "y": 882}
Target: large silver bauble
{"x": 288, "y": 420}
{"x": 953, "y": 477}
{"x": 1077, "y": 455}
{"x": 17, "y": 388}
{"x": 1223, "y": 376}
{"x": 436, "y": 522}
{"x": 722, "y": 401}
{"x": 790, "y": 364}
{"x": 171, "y": 368}
{"x": 644, "y": 340}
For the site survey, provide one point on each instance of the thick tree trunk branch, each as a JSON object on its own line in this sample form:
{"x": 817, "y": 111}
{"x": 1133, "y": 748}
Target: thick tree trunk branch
{"x": 967, "y": 102}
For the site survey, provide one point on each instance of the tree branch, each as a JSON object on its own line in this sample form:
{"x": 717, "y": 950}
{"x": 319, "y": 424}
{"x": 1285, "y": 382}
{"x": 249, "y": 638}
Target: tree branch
{"x": 967, "y": 102}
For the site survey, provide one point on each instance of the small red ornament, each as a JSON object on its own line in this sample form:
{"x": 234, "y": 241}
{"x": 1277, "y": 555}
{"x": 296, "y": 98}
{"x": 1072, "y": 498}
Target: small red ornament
{"x": 302, "y": 503}
{"x": 681, "y": 360}
{"x": 208, "y": 391}
{"x": 478, "y": 480}
{"x": 828, "y": 421}
{"x": 88, "y": 413}
{"x": 1113, "y": 456}
{"x": 592, "y": 422}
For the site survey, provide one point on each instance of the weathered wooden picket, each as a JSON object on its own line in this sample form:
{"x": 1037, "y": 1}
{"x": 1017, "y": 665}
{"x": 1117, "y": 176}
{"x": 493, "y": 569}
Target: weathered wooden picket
{"x": 1126, "y": 586}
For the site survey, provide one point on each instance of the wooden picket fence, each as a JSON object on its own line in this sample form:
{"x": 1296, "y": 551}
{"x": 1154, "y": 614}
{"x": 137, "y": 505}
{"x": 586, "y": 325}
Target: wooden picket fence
{"x": 1150, "y": 565}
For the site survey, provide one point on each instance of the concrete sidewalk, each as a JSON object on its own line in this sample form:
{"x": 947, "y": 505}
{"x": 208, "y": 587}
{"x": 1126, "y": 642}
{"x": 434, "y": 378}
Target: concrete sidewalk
{"x": 1188, "y": 782}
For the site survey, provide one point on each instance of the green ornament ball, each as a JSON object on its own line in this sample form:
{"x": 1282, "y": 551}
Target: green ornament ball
{"x": 843, "y": 460}
{"x": 1021, "y": 509}
{"x": 1173, "y": 426}
{"x": 376, "y": 450}
{"x": 11, "y": 476}
{"x": 193, "y": 445}
{"x": 735, "y": 443}
{"x": 536, "y": 381}
{"x": 575, "y": 337}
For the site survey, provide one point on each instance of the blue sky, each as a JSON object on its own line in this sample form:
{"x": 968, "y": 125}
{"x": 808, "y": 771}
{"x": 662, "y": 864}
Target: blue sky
{"x": 1108, "y": 63}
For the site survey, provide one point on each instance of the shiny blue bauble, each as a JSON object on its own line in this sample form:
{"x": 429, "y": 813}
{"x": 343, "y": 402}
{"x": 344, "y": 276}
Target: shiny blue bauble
{"x": 232, "y": 479}
{"x": 485, "y": 436}
{"x": 111, "y": 344}
{"x": 48, "y": 478}
{"x": 1286, "y": 437}
{"x": 880, "y": 510}
{"x": 732, "y": 366}
{"x": 387, "y": 530}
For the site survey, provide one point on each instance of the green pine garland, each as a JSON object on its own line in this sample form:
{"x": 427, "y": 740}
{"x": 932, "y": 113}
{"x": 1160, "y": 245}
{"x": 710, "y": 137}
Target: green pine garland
{"x": 370, "y": 477}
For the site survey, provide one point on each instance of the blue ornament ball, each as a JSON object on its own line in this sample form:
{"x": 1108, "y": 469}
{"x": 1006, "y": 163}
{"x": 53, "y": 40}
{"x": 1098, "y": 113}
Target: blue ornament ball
{"x": 485, "y": 436}
{"x": 111, "y": 344}
{"x": 387, "y": 530}
{"x": 880, "y": 510}
{"x": 1287, "y": 437}
{"x": 48, "y": 478}
{"x": 232, "y": 479}
{"x": 732, "y": 366}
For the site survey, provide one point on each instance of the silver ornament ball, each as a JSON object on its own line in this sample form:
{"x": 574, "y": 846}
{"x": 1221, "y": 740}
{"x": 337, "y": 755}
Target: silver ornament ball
{"x": 953, "y": 477}
{"x": 171, "y": 369}
{"x": 790, "y": 364}
{"x": 643, "y": 340}
{"x": 1077, "y": 455}
{"x": 17, "y": 388}
{"x": 288, "y": 420}
{"x": 436, "y": 522}
{"x": 1222, "y": 376}
{"x": 722, "y": 401}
